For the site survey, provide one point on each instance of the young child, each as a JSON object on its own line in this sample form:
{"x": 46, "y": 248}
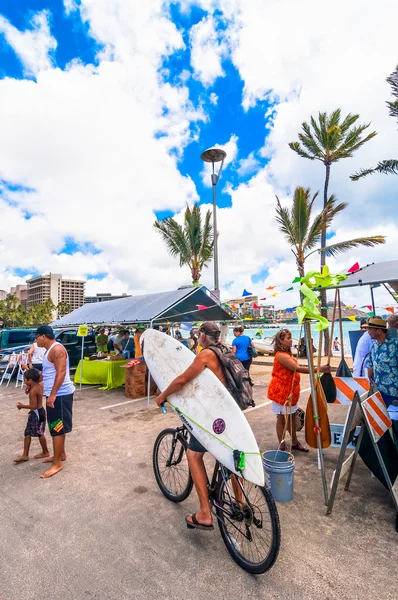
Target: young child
{"x": 336, "y": 344}
{"x": 37, "y": 416}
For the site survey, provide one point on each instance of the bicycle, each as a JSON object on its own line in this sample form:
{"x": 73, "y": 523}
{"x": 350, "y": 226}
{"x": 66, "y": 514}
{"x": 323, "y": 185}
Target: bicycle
{"x": 249, "y": 525}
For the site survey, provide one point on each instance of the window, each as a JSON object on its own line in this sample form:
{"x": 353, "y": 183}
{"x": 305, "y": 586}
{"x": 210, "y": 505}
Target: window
{"x": 20, "y": 337}
{"x": 67, "y": 337}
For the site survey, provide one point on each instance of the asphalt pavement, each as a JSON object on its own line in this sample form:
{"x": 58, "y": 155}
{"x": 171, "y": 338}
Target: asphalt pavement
{"x": 101, "y": 528}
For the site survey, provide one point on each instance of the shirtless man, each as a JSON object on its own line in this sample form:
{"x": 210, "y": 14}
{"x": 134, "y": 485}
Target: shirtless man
{"x": 209, "y": 333}
{"x": 58, "y": 389}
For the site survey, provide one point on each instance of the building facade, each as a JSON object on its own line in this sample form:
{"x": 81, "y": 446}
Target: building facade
{"x": 103, "y": 298}
{"x": 54, "y": 287}
{"x": 21, "y": 292}
{"x": 3, "y": 294}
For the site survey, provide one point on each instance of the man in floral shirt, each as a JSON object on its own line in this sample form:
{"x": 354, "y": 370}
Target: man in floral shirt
{"x": 383, "y": 360}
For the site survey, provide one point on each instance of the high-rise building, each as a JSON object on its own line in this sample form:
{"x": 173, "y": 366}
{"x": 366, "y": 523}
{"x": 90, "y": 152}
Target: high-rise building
{"x": 21, "y": 292}
{"x": 3, "y": 294}
{"x": 56, "y": 288}
{"x": 103, "y": 298}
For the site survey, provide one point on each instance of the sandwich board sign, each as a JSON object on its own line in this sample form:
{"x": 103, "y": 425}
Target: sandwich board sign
{"x": 375, "y": 445}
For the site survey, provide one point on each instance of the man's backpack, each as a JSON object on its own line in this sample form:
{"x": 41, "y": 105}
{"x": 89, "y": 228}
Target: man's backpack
{"x": 239, "y": 383}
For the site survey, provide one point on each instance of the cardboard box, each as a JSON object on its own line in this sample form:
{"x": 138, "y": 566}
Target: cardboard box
{"x": 136, "y": 383}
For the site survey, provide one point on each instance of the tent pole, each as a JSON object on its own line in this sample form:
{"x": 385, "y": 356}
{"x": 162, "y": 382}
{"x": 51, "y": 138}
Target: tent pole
{"x": 373, "y": 300}
{"x": 149, "y": 379}
{"x": 308, "y": 343}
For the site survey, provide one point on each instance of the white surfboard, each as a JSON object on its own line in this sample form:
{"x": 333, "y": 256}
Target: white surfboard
{"x": 204, "y": 405}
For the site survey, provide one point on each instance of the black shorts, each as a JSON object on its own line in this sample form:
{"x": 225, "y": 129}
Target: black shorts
{"x": 195, "y": 446}
{"x": 59, "y": 418}
{"x": 36, "y": 423}
{"x": 37, "y": 366}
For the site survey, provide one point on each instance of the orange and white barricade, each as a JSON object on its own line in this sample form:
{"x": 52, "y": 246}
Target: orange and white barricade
{"x": 347, "y": 386}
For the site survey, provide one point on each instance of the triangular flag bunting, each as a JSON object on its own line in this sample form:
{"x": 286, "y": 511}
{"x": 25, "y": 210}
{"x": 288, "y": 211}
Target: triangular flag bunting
{"x": 271, "y": 287}
{"x": 263, "y": 298}
{"x": 354, "y": 268}
{"x": 390, "y": 309}
{"x": 201, "y": 307}
{"x": 296, "y": 280}
{"x": 276, "y": 293}
{"x": 246, "y": 293}
{"x": 352, "y": 318}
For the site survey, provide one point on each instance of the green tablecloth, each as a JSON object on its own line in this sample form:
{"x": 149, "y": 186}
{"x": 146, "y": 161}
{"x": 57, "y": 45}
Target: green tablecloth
{"x": 106, "y": 372}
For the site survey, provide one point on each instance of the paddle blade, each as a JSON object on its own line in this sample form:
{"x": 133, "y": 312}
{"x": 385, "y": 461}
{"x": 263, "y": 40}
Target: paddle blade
{"x": 310, "y": 434}
{"x": 343, "y": 370}
{"x": 329, "y": 387}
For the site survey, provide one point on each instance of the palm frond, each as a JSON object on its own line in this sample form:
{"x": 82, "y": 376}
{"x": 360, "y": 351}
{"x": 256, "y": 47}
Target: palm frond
{"x": 334, "y": 119}
{"x": 342, "y": 247}
{"x": 301, "y": 213}
{"x": 348, "y": 122}
{"x": 173, "y": 235}
{"x": 385, "y": 167}
{"x": 298, "y": 149}
{"x": 352, "y": 142}
{"x": 286, "y": 225}
{"x": 311, "y": 145}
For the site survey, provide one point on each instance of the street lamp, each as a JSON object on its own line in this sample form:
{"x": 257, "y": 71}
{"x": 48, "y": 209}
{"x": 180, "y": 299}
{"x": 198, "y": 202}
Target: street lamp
{"x": 215, "y": 155}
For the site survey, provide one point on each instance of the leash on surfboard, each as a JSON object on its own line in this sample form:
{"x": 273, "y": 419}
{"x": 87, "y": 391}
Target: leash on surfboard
{"x": 238, "y": 455}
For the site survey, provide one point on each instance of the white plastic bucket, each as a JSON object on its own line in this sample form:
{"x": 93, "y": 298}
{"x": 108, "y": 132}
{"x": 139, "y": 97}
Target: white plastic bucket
{"x": 279, "y": 474}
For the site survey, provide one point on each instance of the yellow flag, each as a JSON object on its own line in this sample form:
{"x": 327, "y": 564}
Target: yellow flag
{"x": 352, "y": 318}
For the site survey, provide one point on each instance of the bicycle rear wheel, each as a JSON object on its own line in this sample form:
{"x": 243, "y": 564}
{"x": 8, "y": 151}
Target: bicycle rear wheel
{"x": 249, "y": 525}
{"x": 170, "y": 465}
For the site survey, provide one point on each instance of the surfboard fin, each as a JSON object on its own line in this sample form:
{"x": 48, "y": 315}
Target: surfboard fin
{"x": 239, "y": 460}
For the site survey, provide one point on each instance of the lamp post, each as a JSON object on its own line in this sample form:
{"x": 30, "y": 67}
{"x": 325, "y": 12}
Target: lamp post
{"x": 215, "y": 155}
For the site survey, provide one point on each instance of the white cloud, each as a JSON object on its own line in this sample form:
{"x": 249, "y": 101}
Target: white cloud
{"x": 248, "y": 165}
{"x": 206, "y": 51}
{"x": 32, "y": 46}
{"x": 213, "y": 98}
{"x": 101, "y": 145}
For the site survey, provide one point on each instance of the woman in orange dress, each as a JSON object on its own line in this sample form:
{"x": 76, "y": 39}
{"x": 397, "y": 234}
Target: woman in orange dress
{"x": 285, "y": 382}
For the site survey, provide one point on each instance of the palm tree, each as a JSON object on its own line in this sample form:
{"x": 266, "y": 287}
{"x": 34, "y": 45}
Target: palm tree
{"x": 63, "y": 308}
{"x": 385, "y": 167}
{"x": 329, "y": 140}
{"x": 303, "y": 231}
{"x": 193, "y": 242}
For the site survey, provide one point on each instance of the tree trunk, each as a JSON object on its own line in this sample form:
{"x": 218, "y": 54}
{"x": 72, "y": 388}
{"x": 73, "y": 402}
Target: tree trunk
{"x": 324, "y": 311}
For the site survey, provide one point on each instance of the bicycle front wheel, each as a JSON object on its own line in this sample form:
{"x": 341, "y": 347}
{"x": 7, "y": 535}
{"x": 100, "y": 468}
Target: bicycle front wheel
{"x": 170, "y": 465}
{"x": 249, "y": 524}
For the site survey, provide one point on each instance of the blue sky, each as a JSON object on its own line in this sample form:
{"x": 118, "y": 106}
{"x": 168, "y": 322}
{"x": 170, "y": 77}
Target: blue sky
{"x": 125, "y": 96}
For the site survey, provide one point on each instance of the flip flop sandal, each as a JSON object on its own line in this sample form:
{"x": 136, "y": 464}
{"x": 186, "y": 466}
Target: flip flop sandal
{"x": 300, "y": 448}
{"x": 194, "y": 524}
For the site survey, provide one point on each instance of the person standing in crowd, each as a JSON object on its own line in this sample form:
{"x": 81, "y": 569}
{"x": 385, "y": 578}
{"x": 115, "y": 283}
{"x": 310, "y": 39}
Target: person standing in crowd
{"x": 36, "y": 418}
{"x": 362, "y": 351}
{"x": 58, "y": 389}
{"x": 117, "y": 342}
{"x": 241, "y": 345}
{"x": 383, "y": 360}
{"x": 285, "y": 382}
{"x": 102, "y": 341}
{"x": 127, "y": 344}
{"x": 35, "y": 357}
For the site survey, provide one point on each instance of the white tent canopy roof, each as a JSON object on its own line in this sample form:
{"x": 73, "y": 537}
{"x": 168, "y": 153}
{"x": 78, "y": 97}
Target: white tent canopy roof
{"x": 385, "y": 272}
{"x": 176, "y": 305}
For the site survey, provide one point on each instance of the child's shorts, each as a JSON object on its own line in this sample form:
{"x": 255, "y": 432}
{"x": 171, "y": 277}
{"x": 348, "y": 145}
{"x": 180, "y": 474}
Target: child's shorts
{"x": 36, "y": 423}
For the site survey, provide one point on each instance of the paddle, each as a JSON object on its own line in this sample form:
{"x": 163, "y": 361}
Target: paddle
{"x": 310, "y": 433}
{"x": 327, "y": 381}
{"x": 343, "y": 370}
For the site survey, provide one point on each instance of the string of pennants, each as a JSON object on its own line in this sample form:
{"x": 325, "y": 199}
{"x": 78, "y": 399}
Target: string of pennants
{"x": 295, "y": 285}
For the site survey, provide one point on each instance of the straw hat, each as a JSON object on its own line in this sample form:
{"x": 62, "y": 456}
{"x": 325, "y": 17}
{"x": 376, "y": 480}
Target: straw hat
{"x": 377, "y": 323}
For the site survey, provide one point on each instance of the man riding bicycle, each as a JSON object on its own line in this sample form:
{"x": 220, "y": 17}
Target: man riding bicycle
{"x": 209, "y": 334}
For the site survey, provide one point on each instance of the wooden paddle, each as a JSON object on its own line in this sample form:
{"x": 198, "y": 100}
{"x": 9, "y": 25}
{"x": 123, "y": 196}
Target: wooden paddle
{"x": 343, "y": 370}
{"x": 327, "y": 381}
{"x": 310, "y": 434}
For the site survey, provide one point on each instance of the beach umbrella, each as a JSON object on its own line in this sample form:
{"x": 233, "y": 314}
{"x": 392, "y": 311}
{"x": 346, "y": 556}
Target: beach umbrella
{"x": 343, "y": 370}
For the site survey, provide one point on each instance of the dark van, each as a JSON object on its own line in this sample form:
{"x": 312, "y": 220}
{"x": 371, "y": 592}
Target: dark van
{"x": 10, "y": 338}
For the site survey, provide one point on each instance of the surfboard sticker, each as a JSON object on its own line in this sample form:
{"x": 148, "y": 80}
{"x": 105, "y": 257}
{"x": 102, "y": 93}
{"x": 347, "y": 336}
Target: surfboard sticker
{"x": 219, "y": 426}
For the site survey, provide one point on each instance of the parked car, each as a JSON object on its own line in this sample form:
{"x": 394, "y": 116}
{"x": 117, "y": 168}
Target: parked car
{"x": 66, "y": 337}
{"x": 11, "y": 338}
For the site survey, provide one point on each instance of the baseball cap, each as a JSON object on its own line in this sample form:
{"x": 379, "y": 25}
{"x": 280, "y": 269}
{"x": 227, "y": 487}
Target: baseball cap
{"x": 210, "y": 328}
{"x": 377, "y": 323}
{"x": 44, "y": 330}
